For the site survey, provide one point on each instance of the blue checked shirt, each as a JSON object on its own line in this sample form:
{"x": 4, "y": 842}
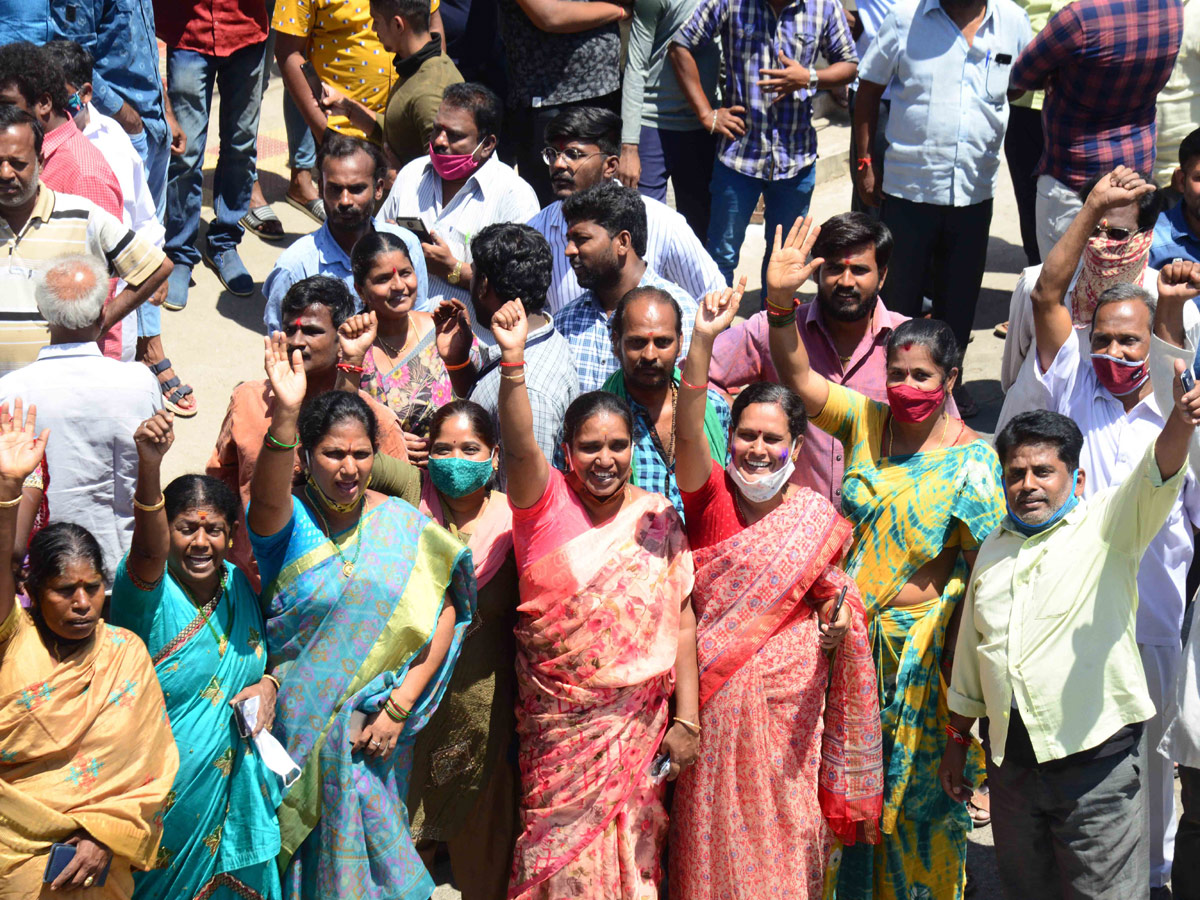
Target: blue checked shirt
{"x": 780, "y": 140}
{"x": 585, "y": 325}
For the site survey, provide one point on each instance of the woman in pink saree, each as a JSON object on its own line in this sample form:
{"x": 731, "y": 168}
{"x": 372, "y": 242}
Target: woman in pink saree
{"x": 605, "y": 636}
{"x": 791, "y": 747}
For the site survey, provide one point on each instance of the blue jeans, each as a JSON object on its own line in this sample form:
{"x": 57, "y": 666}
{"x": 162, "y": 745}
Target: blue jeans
{"x": 686, "y": 158}
{"x": 734, "y": 197}
{"x": 155, "y": 155}
{"x": 302, "y": 146}
{"x": 190, "y": 80}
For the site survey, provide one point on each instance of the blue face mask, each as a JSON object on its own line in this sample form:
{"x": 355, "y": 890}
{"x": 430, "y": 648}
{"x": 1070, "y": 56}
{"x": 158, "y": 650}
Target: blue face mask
{"x": 1030, "y": 530}
{"x": 74, "y": 104}
{"x": 457, "y": 477}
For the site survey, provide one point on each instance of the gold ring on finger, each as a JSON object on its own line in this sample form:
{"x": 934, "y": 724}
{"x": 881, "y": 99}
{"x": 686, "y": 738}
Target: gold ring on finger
{"x": 89, "y": 881}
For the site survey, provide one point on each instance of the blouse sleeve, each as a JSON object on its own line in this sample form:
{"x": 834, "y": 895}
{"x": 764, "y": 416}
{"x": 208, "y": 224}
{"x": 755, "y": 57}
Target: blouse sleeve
{"x": 845, "y": 411}
{"x": 979, "y": 505}
{"x": 270, "y": 551}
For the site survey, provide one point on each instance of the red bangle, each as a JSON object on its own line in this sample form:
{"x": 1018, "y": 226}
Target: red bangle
{"x": 512, "y": 365}
{"x": 346, "y": 367}
{"x": 864, "y": 162}
{"x": 687, "y": 384}
{"x": 957, "y": 736}
{"x": 458, "y": 368}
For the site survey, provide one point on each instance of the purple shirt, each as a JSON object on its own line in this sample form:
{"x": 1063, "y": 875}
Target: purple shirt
{"x": 742, "y": 356}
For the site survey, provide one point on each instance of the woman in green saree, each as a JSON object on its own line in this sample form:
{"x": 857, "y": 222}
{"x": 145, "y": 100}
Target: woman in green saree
{"x": 202, "y": 624}
{"x": 366, "y": 601}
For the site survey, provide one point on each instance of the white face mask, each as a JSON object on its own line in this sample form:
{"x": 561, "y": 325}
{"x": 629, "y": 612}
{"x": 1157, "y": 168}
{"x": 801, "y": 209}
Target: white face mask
{"x": 762, "y": 489}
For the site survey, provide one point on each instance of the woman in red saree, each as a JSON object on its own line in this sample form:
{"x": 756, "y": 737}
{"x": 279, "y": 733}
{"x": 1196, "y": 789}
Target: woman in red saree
{"x": 791, "y": 750}
{"x": 605, "y": 635}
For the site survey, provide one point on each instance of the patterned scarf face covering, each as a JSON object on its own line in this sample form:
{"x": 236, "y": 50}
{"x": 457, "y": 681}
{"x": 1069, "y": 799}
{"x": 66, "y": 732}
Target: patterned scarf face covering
{"x": 1106, "y": 263}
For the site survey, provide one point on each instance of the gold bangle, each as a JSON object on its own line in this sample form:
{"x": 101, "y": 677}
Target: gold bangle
{"x": 9, "y": 504}
{"x": 516, "y": 379}
{"x": 690, "y": 726}
{"x": 273, "y": 680}
{"x": 153, "y": 507}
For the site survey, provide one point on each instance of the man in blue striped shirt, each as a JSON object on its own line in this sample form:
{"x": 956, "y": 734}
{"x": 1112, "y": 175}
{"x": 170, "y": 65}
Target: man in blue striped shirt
{"x": 582, "y": 145}
{"x": 766, "y": 141}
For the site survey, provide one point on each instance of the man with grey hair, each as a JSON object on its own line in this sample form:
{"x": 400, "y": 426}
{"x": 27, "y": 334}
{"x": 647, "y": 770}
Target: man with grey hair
{"x": 90, "y": 403}
{"x": 1109, "y": 395}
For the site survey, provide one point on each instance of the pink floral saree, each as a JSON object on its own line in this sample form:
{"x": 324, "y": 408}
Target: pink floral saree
{"x": 597, "y": 637}
{"x": 791, "y": 751}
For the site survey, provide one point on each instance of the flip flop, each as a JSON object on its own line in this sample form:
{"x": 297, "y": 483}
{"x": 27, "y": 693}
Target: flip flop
{"x": 314, "y": 209}
{"x": 980, "y": 817}
{"x": 258, "y": 219}
{"x": 177, "y": 391}
{"x": 1001, "y": 330}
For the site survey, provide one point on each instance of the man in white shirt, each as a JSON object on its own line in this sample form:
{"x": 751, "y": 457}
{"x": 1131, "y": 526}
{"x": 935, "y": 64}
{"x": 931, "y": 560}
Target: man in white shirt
{"x": 1110, "y": 396}
{"x": 582, "y": 150}
{"x": 91, "y": 405}
{"x": 458, "y": 190}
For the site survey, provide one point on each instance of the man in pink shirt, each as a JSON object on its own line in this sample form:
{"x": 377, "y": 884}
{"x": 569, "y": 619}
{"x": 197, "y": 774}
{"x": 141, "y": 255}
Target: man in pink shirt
{"x": 845, "y": 332}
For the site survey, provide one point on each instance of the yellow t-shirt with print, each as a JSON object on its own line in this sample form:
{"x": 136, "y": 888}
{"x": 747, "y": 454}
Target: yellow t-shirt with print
{"x": 343, "y": 48}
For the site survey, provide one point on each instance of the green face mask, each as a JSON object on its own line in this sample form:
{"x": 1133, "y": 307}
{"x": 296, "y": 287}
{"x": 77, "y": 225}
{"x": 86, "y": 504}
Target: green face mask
{"x": 457, "y": 477}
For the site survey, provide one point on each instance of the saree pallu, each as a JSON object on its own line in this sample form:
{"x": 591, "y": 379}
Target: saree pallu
{"x": 220, "y": 835}
{"x": 596, "y": 644}
{"x": 85, "y": 747}
{"x": 340, "y": 644}
{"x": 906, "y": 511}
{"x": 781, "y": 767}
{"x": 415, "y": 388}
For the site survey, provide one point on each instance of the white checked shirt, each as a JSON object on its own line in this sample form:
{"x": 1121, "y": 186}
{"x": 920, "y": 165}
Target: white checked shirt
{"x": 494, "y": 193}
{"x": 1114, "y": 443}
{"x": 92, "y": 405}
{"x": 672, "y": 250}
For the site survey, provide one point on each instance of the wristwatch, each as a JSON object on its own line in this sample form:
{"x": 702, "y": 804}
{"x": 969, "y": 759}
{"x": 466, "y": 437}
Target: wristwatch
{"x": 455, "y": 273}
{"x": 812, "y": 81}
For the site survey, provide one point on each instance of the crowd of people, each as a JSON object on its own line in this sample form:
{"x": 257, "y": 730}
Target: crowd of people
{"x": 530, "y": 557}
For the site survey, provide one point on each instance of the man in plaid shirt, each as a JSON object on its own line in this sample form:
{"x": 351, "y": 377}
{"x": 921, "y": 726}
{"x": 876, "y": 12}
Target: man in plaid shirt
{"x": 766, "y": 141}
{"x": 1102, "y": 63}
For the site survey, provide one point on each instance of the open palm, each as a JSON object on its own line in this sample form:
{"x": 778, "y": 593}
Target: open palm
{"x": 288, "y": 382}
{"x": 790, "y": 266}
{"x": 21, "y": 447}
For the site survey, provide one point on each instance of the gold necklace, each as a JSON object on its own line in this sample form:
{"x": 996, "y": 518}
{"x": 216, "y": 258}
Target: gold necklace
{"x": 391, "y": 351}
{"x": 941, "y": 440}
{"x": 347, "y": 564}
{"x": 221, "y": 639}
{"x": 449, "y": 511}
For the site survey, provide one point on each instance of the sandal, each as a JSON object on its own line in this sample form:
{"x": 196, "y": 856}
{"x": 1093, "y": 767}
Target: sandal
{"x": 177, "y": 391}
{"x": 263, "y": 222}
{"x": 980, "y": 808}
{"x": 1001, "y": 330}
{"x": 315, "y": 209}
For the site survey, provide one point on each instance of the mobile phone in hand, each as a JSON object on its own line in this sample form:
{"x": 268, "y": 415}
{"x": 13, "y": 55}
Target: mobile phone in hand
{"x": 310, "y": 75}
{"x": 1188, "y": 380}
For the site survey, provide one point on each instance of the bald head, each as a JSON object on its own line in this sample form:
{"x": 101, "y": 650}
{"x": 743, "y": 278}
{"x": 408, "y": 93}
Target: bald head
{"x": 71, "y": 292}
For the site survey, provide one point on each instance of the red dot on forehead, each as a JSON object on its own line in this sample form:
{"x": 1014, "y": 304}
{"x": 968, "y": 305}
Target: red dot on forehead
{"x": 908, "y": 346}
{"x": 299, "y": 321}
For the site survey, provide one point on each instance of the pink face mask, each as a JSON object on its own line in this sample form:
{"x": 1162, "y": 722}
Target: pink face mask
{"x": 454, "y": 166}
{"x": 910, "y": 404}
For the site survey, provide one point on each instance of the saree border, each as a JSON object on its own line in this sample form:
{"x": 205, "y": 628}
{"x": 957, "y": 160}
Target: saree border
{"x": 190, "y": 630}
{"x": 329, "y": 547}
{"x": 224, "y": 879}
{"x": 436, "y": 558}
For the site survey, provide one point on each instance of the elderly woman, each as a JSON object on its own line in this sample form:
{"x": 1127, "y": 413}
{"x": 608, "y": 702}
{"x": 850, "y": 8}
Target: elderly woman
{"x": 365, "y": 609}
{"x": 922, "y": 491}
{"x": 464, "y": 788}
{"x": 79, "y": 706}
{"x": 606, "y": 635}
{"x": 790, "y": 750}
{"x": 395, "y": 360}
{"x": 201, "y": 622}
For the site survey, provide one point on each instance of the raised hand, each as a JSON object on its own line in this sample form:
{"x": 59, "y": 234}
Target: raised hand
{"x": 718, "y": 308}
{"x": 287, "y": 378}
{"x": 511, "y": 328}
{"x": 1119, "y": 188}
{"x": 356, "y": 335}
{"x": 453, "y": 331}
{"x": 1178, "y": 281}
{"x": 154, "y": 437}
{"x": 21, "y": 447}
{"x": 790, "y": 266}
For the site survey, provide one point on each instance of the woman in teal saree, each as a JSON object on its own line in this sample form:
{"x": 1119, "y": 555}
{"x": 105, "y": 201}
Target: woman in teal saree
{"x": 366, "y": 601}
{"x": 201, "y": 622}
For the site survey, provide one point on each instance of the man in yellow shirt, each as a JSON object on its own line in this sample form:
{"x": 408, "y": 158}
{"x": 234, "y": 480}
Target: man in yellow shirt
{"x": 1046, "y": 649}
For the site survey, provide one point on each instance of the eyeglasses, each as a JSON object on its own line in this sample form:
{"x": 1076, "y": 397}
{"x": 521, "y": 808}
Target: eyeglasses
{"x": 1114, "y": 234}
{"x": 573, "y": 155}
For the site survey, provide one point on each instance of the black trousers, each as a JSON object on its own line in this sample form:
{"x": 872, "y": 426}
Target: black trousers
{"x": 1185, "y": 871}
{"x": 1022, "y": 151}
{"x": 946, "y": 243}
{"x": 526, "y": 138}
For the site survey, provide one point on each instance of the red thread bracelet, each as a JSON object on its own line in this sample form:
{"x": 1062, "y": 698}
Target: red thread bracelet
{"x": 957, "y": 736}
{"x": 687, "y": 384}
{"x": 864, "y": 162}
{"x": 346, "y": 367}
{"x": 511, "y": 365}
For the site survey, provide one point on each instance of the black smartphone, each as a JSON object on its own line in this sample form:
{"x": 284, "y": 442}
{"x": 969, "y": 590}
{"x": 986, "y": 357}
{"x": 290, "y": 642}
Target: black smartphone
{"x": 1188, "y": 380}
{"x": 417, "y": 227}
{"x": 239, "y": 716}
{"x": 837, "y": 607}
{"x": 60, "y": 856}
{"x": 310, "y": 75}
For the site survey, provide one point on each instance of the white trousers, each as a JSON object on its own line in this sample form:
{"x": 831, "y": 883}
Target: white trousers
{"x": 1055, "y": 208}
{"x": 1162, "y": 667}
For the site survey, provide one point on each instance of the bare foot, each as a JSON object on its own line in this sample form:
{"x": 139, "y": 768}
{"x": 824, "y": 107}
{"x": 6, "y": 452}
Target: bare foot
{"x": 301, "y": 186}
